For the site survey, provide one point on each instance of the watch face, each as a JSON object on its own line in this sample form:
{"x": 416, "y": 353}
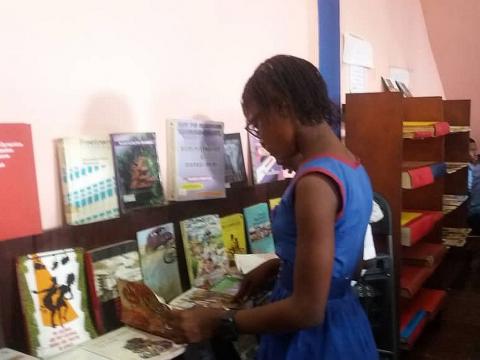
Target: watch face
{"x": 228, "y": 329}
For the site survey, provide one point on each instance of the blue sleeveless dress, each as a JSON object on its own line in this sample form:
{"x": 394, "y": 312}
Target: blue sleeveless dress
{"x": 345, "y": 332}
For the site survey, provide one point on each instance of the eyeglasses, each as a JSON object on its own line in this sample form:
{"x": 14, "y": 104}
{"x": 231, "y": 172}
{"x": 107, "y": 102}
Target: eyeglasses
{"x": 252, "y": 130}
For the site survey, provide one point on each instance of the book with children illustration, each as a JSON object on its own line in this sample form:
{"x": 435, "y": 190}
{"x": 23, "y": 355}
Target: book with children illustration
{"x": 137, "y": 170}
{"x": 88, "y": 180}
{"x": 234, "y": 240}
{"x": 234, "y": 163}
{"x": 196, "y": 160}
{"x": 259, "y": 229}
{"x": 142, "y": 309}
{"x": 54, "y": 301}
{"x": 158, "y": 255}
{"x": 103, "y": 266}
{"x": 205, "y": 253}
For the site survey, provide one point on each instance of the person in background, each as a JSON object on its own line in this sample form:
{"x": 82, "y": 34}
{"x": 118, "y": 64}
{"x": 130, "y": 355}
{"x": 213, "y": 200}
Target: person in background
{"x": 474, "y": 188}
{"x": 319, "y": 229}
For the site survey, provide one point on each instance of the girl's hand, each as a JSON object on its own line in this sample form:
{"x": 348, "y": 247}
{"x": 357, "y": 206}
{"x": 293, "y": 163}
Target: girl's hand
{"x": 256, "y": 279}
{"x": 193, "y": 325}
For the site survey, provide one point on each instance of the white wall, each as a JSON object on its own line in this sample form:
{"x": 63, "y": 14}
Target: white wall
{"x": 96, "y": 67}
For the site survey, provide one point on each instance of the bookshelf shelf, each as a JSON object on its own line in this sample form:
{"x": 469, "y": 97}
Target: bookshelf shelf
{"x": 391, "y": 166}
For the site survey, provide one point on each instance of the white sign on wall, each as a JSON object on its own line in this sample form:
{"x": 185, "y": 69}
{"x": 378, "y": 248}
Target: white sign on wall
{"x": 358, "y": 79}
{"x": 357, "y": 51}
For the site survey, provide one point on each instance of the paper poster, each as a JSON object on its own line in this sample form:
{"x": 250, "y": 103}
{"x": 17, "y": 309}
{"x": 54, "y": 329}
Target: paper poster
{"x": 357, "y": 51}
{"x": 358, "y": 79}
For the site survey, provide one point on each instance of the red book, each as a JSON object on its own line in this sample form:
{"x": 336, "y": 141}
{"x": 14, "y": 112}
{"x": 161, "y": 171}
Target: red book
{"x": 412, "y": 279}
{"x": 414, "y": 230}
{"x": 416, "y": 174}
{"x": 103, "y": 265}
{"x": 423, "y": 254}
{"x": 19, "y": 211}
{"x": 430, "y": 300}
{"x": 442, "y": 128}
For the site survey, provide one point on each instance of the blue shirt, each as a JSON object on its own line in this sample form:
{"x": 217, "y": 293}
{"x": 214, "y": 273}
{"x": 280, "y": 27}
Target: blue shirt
{"x": 474, "y": 187}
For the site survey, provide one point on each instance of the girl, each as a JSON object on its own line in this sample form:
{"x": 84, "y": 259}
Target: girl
{"x": 318, "y": 227}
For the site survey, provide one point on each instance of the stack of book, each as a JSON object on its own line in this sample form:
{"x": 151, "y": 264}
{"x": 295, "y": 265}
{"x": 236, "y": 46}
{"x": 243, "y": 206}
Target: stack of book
{"x": 455, "y": 236}
{"x": 424, "y": 129}
{"x": 452, "y": 202}
{"x": 417, "y": 224}
{"x": 416, "y": 174}
{"x": 457, "y": 128}
{"x": 453, "y": 166}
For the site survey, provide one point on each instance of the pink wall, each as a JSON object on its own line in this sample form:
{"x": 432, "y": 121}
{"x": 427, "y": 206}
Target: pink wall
{"x": 453, "y": 27}
{"x": 90, "y": 68}
{"x": 93, "y": 68}
{"x": 397, "y": 32}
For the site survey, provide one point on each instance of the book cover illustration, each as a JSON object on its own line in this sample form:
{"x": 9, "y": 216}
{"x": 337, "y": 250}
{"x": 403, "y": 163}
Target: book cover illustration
{"x": 234, "y": 240}
{"x": 205, "y": 253}
{"x": 259, "y": 229}
{"x": 201, "y": 297}
{"x": 139, "y": 305}
{"x": 127, "y": 343}
{"x": 264, "y": 166}
{"x": 234, "y": 162}
{"x": 104, "y": 265}
{"x": 88, "y": 180}
{"x": 196, "y": 160}
{"x": 158, "y": 257}
{"x": 54, "y": 301}
{"x": 20, "y": 212}
{"x": 137, "y": 170}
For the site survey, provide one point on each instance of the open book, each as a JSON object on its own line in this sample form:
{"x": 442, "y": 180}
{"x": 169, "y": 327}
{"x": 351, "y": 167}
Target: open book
{"x": 141, "y": 308}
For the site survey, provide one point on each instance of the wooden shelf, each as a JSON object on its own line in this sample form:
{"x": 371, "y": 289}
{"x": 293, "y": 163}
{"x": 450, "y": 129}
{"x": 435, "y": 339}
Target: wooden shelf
{"x": 388, "y": 150}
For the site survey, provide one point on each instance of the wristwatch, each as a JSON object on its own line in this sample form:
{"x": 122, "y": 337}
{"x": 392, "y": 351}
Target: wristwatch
{"x": 227, "y": 329}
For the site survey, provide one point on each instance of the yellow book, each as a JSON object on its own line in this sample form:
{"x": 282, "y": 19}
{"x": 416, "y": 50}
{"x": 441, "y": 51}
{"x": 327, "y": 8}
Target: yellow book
{"x": 407, "y": 216}
{"x": 419, "y": 123}
{"x": 274, "y": 202}
{"x": 234, "y": 239}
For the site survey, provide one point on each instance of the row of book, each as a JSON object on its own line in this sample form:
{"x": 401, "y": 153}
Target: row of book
{"x": 416, "y": 174}
{"x": 143, "y": 273}
{"x": 99, "y": 183}
{"x": 106, "y": 176}
{"x": 428, "y": 129}
{"x": 452, "y": 202}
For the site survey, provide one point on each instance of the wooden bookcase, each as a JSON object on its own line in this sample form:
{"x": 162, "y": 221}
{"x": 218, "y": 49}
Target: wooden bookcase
{"x": 373, "y": 123}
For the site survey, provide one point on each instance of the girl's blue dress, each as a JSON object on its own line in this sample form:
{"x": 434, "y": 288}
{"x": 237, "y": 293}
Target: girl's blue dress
{"x": 345, "y": 332}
